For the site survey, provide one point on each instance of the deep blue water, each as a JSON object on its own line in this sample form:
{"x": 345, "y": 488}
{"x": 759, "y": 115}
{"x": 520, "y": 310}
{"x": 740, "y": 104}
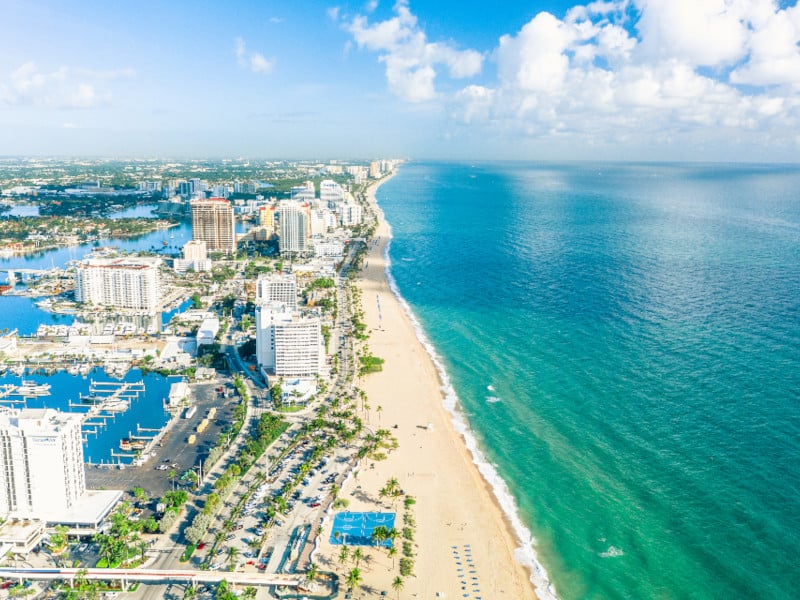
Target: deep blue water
{"x": 639, "y": 326}
{"x": 148, "y": 411}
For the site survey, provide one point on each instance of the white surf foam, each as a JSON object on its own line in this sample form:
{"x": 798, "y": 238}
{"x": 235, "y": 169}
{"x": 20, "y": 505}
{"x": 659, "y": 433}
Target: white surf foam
{"x": 492, "y": 399}
{"x": 525, "y": 553}
{"x": 612, "y": 552}
{"x": 490, "y": 387}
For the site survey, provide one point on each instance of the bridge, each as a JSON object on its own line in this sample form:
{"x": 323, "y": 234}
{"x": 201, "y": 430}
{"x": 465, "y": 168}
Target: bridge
{"x": 12, "y": 273}
{"x": 125, "y": 576}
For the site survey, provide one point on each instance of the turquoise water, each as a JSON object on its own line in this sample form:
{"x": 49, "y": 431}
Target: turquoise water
{"x": 625, "y": 343}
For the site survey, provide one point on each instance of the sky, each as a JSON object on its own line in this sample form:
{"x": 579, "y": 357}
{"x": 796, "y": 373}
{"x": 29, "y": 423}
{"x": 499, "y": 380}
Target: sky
{"x": 705, "y": 80}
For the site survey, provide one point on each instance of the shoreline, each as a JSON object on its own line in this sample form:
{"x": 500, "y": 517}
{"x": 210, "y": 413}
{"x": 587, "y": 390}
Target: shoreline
{"x": 487, "y": 513}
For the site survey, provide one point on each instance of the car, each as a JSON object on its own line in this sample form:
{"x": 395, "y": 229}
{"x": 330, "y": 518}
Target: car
{"x": 201, "y": 545}
{"x": 314, "y": 504}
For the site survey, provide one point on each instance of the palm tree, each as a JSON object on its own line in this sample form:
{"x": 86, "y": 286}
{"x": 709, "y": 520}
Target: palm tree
{"x": 379, "y": 535}
{"x": 392, "y": 534}
{"x": 392, "y": 553}
{"x": 249, "y": 593}
{"x": 233, "y": 553}
{"x": 172, "y": 475}
{"x": 143, "y": 546}
{"x": 397, "y": 585}
{"x": 344, "y": 554}
{"x": 312, "y": 572}
{"x": 354, "y": 579}
{"x": 358, "y": 554}
{"x": 190, "y": 592}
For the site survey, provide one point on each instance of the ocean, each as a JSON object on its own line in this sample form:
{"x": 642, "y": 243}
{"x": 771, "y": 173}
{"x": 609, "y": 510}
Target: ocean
{"x": 623, "y": 343}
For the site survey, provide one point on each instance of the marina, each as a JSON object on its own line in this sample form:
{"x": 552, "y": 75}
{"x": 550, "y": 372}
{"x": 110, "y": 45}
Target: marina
{"x": 113, "y": 409}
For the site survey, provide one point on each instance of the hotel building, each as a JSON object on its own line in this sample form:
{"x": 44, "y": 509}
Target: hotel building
{"x": 131, "y": 283}
{"x": 41, "y": 461}
{"x": 294, "y": 227}
{"x": 213, "y": 223}
{"x": 288, "y": 345}
{"x": 277, "y": 288}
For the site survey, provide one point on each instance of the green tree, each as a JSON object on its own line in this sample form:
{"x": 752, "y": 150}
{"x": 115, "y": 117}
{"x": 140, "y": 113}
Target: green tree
{"x": 397, "y": 585}
{"x": 140, "y": 495}
{"x": 358, "y": 555}
{"x": 354, "y": 579}
{"x": 312, "y": 572}
{"x": 233, "y": 554}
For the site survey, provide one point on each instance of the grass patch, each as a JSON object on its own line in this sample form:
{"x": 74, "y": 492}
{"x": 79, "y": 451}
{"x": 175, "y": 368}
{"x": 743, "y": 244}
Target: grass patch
{"x": 187, "y": 554}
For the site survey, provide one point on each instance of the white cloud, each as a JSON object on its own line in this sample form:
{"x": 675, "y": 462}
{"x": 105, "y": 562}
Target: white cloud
{"x": 259, "y": 64}
{"x": 63, "y": 88}
{"x": 774, "y": 47}
{"x": 700, "y": 32}
{"x": 253, "y": 61}
{"x": 411, "y": 61}
{"x": 617, "y": 71}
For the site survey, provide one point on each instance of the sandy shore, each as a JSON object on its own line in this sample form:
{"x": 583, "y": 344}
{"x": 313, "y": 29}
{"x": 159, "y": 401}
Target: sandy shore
{"x": 462, "y": 540}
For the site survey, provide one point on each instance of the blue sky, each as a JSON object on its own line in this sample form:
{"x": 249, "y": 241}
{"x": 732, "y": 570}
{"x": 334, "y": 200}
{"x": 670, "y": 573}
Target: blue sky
{"x": 617, "y": 79}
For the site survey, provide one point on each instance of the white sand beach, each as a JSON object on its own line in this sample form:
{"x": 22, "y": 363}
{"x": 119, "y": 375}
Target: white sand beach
{"x": 463, "y": 542}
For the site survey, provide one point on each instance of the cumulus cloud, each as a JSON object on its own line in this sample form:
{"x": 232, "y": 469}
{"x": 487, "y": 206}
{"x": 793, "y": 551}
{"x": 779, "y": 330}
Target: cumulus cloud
{"x": 411, "y": 60}
{"x": 614, "y": 70}
{"x": 65, "y": 87}
{"x": 253, "y": 61}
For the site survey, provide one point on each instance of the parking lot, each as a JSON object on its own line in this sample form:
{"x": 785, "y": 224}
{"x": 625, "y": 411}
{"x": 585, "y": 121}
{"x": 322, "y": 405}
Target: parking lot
{"x": 174, "y": 453}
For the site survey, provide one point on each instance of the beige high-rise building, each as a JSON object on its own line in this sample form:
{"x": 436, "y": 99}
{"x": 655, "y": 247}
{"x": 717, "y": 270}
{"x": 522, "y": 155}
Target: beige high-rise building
{"x": 213, "y": 223}
{"x": 266, "y": 218}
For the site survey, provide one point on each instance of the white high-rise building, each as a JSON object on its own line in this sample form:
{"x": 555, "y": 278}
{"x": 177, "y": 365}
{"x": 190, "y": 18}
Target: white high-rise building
{"x": 330, "y": 193}
{"x": 41, "y": 462}
{"x": 303, "y": 193}
{"x": 294, "y": 227}
{"x": 288, "y": 345}
{"x": 277, "y": 287}
{"x": 351, "y": 214}
{"x": 119, "y": 282}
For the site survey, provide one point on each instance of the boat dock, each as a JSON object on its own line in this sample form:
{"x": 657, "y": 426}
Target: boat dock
{"x": 105, "y": 400}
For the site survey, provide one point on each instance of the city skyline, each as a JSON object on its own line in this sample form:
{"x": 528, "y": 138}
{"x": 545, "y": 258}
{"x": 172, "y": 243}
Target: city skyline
{"x": 655, "y": 80}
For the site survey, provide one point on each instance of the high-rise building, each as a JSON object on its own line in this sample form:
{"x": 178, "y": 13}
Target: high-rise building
{"x": 41, "y": 462}
{"x": 266, "y": 218}
{"x": 213, "y": 223}
{"x": 375, "y": 169}
{"x": 350, "y": 214}
{"x": 294, "y": 227}
{"x": 288, "y": 345}
{"x": 277, "y": 287}
{"x": 330, "y": 193}
{"x": 303, "y": 193}
{"x": 119, "y": 282}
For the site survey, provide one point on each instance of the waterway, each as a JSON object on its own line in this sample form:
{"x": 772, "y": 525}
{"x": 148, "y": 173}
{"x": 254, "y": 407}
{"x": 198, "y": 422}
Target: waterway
{"x": 147, "y": 410}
